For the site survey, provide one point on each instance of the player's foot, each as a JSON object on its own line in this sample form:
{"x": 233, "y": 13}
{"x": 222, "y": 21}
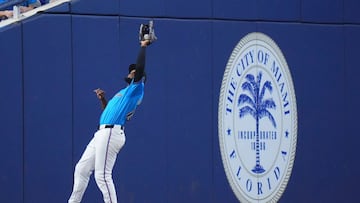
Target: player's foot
{"x": 147, "y": 32}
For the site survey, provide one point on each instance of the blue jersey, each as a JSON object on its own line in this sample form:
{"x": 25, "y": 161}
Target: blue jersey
{"x": 122, "y": 106}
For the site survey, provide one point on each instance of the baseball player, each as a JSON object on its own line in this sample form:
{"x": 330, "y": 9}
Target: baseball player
{"x": 100, "y": 154}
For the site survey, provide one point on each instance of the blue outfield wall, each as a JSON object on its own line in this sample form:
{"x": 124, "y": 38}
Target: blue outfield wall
{"x": 54, "y": 61}
{"x": 11, "y": 108}
{"x": 47, "y": 107}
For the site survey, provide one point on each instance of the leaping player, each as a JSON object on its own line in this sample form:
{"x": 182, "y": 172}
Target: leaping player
{"x": 100, "y": 154}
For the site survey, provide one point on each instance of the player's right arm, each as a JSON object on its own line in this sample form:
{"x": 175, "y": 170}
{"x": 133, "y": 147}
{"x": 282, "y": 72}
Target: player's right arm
{"x": 101, "y": 96}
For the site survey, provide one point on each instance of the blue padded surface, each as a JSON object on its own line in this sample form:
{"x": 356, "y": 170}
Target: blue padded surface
{"x": 315, "y": 55}
{"x": 141, "y": 8}
{"x": 257, "y": 10}
{"x": 352, "y": 99}
{"x": 322, "y": 11}
{"x": 110, "y": 7}
{"x": 351, "y": 11}
{"x": 281, "y": 10}
{"x": 47, "y": 108}
{"x": 65, "y": 7}
{"x": 234, "y": 9}
{"x": 189, "y": 93}
{"x": 188, "y": 8}
{"x": 11, "y": 120}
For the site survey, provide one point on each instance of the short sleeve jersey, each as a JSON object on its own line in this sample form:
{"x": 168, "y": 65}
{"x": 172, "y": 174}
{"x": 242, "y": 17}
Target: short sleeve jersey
{"x": 122, "y": 106}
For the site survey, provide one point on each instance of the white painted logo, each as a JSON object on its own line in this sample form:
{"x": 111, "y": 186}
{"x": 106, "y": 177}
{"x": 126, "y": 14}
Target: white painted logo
{"x": 257, "y": 120}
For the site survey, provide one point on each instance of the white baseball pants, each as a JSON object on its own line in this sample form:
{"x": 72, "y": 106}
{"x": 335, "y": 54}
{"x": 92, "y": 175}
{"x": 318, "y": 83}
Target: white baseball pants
{"x": 99, "y": 155}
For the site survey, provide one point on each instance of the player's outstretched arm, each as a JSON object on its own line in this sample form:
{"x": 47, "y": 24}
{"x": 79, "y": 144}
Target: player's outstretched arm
{"x": 101, "y": 96}
{"x": 140, "y": 62}
{"x": 146, "y": 37}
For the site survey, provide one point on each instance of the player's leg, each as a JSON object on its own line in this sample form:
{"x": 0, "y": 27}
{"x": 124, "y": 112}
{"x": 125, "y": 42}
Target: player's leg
{"x": 108, "y": 144}
{"x": 83, "y": 170}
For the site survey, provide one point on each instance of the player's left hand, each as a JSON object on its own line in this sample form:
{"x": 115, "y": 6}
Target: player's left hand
{"x": 100, "y": 93}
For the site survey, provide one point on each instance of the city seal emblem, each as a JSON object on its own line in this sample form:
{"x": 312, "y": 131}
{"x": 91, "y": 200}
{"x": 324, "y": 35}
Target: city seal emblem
{"x": 257, "y": 120}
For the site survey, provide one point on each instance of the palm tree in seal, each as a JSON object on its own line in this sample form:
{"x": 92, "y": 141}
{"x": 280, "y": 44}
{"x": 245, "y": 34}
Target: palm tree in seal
{"x": 257, "y": 107}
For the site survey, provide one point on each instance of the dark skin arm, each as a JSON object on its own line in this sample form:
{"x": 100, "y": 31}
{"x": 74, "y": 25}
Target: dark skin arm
{"x": 101, "y": 96}
{"x": 138, "y": 74}
{"x": 140, "y": 62}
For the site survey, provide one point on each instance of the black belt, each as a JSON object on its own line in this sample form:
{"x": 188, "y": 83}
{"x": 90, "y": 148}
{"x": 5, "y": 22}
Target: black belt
{"x": 111, "y": 126}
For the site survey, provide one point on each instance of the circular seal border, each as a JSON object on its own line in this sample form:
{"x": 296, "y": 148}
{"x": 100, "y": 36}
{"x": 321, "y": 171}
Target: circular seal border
{"x": 251, "y": 37}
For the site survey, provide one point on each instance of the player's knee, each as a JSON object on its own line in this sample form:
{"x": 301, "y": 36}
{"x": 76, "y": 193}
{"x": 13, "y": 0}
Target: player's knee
{"x": 101, "y": 177}
{"x": 82, "y": 171}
